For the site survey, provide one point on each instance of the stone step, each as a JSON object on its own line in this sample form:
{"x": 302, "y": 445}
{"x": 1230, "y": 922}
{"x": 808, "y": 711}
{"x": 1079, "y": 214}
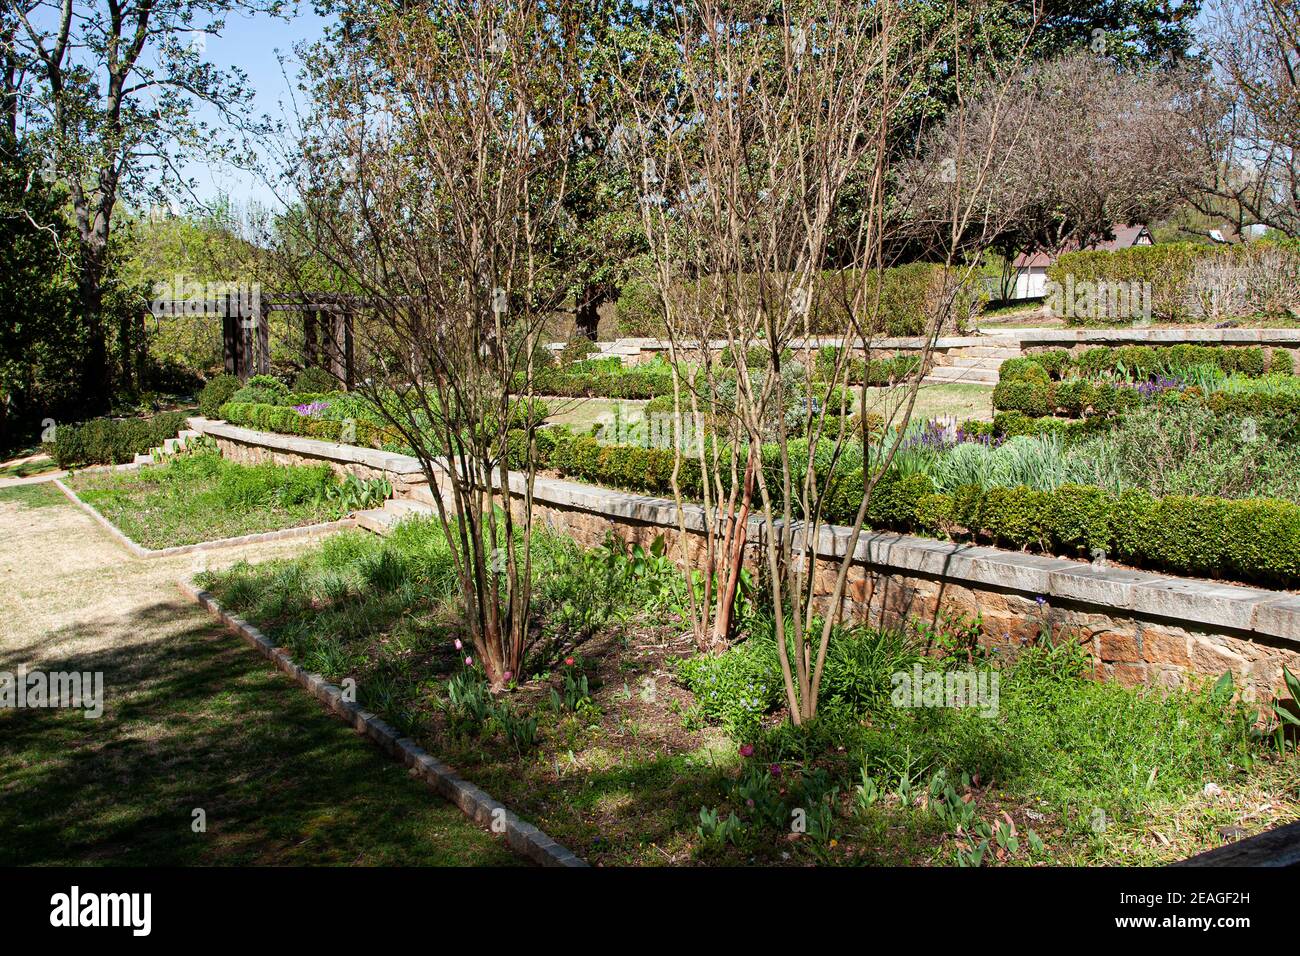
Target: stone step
{"x": 404, "y": 507}
{"x": 420, "y": 493}
{"x": 146, "y": 459}
{"x": 959, "y": 361}
{"x": 377, "y": 520}
{"x": 187, "y": 433}
{"x": 970, "y": 376}
{"x": 988, "y": 351}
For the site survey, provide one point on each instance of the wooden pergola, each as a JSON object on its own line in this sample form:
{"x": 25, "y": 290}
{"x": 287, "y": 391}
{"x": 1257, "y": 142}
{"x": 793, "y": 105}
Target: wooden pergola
{"x": 327, "y": 326}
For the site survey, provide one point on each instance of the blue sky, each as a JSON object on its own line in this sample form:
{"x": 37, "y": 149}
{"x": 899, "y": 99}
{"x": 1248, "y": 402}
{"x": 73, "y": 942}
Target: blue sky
{"x": 254, "y": 44}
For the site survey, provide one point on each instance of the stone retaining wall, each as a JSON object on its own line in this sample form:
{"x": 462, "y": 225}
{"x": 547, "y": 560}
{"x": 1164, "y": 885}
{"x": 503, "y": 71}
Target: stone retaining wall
{"x": 1141, "y": 628}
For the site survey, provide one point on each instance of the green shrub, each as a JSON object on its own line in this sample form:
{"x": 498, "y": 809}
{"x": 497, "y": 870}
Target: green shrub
{"x": 314, "y": 380}
{"x": 216, "y": 393}
{"x": 904, "y": 294}
{"x": 113, "y": 441}
{"x": 1080, "y": 519}
{"x": 1024, "y": 369}
{"x": 639, "y": 309}
{"x": 1281, "y": 362}
{"x": 1029, "y": 398}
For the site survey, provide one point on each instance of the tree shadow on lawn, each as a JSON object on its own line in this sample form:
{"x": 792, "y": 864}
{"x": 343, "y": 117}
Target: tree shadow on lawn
{"x": 194, "y": 720}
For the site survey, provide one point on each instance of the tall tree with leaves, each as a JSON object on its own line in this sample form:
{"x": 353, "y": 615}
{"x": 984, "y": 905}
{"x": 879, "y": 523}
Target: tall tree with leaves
{"x": 108, "y": 91}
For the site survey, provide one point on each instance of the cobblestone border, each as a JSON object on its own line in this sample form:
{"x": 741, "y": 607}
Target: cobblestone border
{"x": 522, "y": 837}
{"x": 140, "y": 551}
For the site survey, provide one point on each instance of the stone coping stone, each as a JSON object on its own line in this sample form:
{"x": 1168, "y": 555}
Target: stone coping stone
{"x": 401, "y": 465}
{"x": 1212, "y": 604}
{"x": 1010, "y": 337}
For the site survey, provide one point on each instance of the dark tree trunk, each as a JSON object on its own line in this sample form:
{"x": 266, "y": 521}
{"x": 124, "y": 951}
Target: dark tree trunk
{"x": 96, "y": 373}
{"x": 127, "y": 344}
{"x": 587, "y": 316}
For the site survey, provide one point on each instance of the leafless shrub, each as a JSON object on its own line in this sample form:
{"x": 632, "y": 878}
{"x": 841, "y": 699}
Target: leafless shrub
{"x": 434, "y": 174}
{"x": 777, "y": 118}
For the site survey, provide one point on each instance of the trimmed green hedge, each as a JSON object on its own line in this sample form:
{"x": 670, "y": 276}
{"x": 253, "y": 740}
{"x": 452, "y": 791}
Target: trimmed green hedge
{"x": 1075, "y": 398}
{"x": 1055, "y": 382}
{"x": 1144, "y": 362}
{"x": 113, "y": 441}
{"x": 903, "y": 293}
{"x": 285, "y": 420}
{"x": 1256, "y": 540}
{"x": 582, "y": 381}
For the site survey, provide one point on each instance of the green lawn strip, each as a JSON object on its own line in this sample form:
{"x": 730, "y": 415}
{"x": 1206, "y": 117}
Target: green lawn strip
{"x": 197, "y": 721}
{"x": 40, "y": 495}
{"x": 26, "y": 469}
{"x": 956, "y": 400}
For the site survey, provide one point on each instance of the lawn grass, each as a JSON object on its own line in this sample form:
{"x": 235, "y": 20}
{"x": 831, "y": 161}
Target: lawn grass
{"x": 192, "y": 719}
{"x": 933, "y": 400}
{"x": 25, "y": 469}
{"x": 622, "y": 775}
{"x": 39, "y": 495}
{"x": 172, "y": 504}
{"x": 581, "y": 413}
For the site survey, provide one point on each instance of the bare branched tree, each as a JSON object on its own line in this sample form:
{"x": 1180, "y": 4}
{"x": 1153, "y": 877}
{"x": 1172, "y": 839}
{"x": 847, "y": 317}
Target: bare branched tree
{"x": 1086, "y": 146}
{"x": 434, "y": 176}
{"x": 778, "y": 117}
{"x": 1249, "y": 118}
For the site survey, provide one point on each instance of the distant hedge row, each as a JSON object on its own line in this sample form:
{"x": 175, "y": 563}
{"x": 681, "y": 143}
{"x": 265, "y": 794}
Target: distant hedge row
{"x": 1036, "y": 385}
{"x": 113, "y": 441}
{"x": 907, "y": 295}
{"x": 576, "y": 381}
{"x": 876, "y": 372}
{"x": 1170, "y": 271}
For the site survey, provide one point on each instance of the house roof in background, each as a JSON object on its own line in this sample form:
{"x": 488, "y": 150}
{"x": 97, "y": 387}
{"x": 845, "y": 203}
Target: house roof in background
{"x": 1124, "y": 237}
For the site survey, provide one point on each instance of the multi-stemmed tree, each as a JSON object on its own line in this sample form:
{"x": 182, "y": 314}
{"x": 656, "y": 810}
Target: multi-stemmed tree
{"x": 780, "y": 117}
{"x": 435, "y": 172}
{"x": 1250, "y": 116}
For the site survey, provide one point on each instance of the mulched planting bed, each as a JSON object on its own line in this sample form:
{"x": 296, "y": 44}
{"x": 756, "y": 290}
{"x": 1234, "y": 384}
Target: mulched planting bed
{"x": 627, "y": 764}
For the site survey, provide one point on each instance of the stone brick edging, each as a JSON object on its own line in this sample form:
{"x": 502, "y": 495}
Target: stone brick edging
{"x": 139, "y": 551}
{"x": 522, "y": 837}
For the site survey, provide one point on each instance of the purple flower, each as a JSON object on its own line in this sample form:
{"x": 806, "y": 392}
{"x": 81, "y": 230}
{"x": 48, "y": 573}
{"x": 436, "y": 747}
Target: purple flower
{"x": 312, "y": 409}
{"x": 775, "y": 770}
{"x": 747, "y": 750}
{"x": 1040, "y": 600}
